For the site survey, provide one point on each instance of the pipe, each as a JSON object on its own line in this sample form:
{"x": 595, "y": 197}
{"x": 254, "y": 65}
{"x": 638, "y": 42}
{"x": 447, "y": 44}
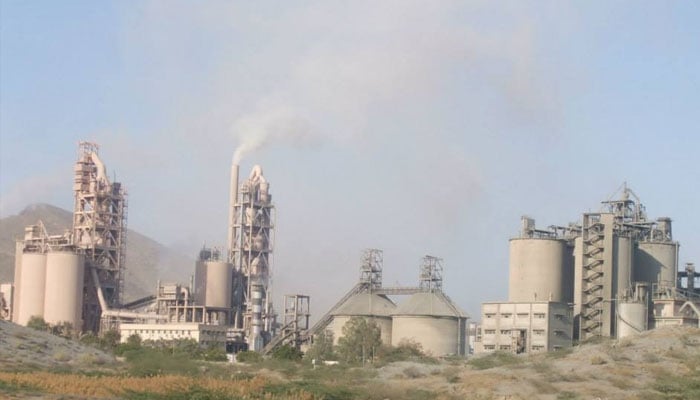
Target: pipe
{"x": 233, "y": 199}
{"x": 118, "y": 313}
{"x": 101, "y": 169}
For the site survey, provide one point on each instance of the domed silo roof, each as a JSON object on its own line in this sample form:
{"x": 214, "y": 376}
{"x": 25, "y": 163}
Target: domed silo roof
{"x": 377, "y": 308}
{"x": 429, "y": 304}
{"x": 431, "y": 320}
{"x": 366, "y": 304}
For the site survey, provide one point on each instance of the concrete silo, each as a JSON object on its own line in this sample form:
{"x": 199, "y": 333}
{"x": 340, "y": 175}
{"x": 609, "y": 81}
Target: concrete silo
{"x": 541, "y": 269}
{"x": 63, "y": 301}
{"x": 213, "y": 280}
{"x": 31, "y": 287}
{"x": 656, "y": 258}
{"x": 433, "y": 321}
{"x": 374, "y": 307}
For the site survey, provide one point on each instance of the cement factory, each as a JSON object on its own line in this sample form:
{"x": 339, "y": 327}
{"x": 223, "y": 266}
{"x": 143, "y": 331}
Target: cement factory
{"x": 613, "y": 274}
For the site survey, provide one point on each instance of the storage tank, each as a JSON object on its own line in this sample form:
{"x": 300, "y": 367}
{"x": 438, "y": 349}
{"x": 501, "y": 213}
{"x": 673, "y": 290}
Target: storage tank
{"x": 374, "y": 307}
{"x": 430, "y": 319}
{"x": 31, "y": 287}
{"x": 63, "y": 301}
{"x": 19, "y": 249}
{"x": 541, "y": 269}
{"x": 624, "y": 260}
{"x": 631, "y": 319}
{"x": 213, "y": 280}
{"x": 656, "y": 262}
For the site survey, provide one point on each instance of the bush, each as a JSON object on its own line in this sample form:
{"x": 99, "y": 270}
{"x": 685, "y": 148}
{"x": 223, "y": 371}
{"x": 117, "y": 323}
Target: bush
{"x": 38, "y": 323}
{"x": 151, "y": 362}
{"x": 248, "y": 357}
{"x": 493, "y": 360}
{"x": 133, "y": 342}
{"x": 214, "y": 354}
{"x": 413, "y": 373}
{"x": 110, "y": 340}
{"x": 287, "y": 352}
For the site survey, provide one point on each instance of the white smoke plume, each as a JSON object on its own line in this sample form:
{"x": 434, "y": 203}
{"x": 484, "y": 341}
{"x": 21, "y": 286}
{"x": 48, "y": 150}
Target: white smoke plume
{"x": 278, "y": 125}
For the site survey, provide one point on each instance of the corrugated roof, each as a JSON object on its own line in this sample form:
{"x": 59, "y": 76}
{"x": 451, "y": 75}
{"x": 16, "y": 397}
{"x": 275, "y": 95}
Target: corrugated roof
{"x": 366, "y": 304}
{"x": 429, "y": 304}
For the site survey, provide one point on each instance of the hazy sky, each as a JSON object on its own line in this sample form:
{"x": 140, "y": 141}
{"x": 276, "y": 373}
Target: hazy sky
{"x": 424, "y": 127}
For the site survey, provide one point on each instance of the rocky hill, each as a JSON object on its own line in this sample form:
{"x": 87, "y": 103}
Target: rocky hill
{"x": 146, "y": 260}
{"x": 24, "y": 348}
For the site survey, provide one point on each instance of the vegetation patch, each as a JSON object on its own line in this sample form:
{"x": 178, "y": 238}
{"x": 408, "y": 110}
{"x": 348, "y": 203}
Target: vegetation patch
{"x": 678, "y": 387}
{"x": 494, "y": 360}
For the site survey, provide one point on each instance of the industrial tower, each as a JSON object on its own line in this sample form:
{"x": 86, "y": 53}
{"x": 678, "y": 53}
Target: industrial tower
{"x": 99, "y": 230}
{"x": 251, "y": 237}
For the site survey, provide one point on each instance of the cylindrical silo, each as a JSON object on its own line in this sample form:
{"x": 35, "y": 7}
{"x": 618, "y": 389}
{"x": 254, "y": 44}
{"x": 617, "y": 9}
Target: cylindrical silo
{"x": 63, "y": 301}
{"x": 19, "y": 249}
{"x": 31, "y": 287}
{"x": 624, "y": 260}
{"x": 656, "y": 262}
{"x": 430, "y": 320}
{"x": 373, "y": 307}
{"x": 631, "y": 319}
{"x": 213, "y": 280}
{"x": 541, "y": 269}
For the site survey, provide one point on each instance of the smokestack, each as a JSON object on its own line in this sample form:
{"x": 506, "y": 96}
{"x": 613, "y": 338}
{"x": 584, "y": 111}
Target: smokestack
{"x": 233, "y": 198}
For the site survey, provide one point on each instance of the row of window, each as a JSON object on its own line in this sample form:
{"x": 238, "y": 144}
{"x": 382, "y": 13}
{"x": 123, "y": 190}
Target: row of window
{"x": 538, "y": 332}
{"x": 507, "y": 347}
{"x": 519, "y": 315}
{"x": 158, "y": 331}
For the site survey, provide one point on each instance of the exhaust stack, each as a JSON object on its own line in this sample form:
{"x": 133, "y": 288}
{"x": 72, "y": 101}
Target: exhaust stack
{"x": 233, "y": 198}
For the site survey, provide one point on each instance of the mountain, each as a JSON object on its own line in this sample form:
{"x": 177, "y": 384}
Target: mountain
{"x": 146, "y": 259}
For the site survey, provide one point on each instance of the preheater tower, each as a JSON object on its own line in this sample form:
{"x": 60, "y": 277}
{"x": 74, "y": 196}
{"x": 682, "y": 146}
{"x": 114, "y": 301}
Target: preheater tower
{"x": 251, "y": 229}
{"x": 99, "y": 231}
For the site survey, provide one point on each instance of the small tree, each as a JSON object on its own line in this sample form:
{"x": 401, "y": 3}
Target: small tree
{"x": 37, "y": 323}
{"x": 322, "y": 349}
{"x": 361, "y": 340}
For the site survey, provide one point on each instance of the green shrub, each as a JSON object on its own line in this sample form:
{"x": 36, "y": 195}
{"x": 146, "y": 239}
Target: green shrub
{"x": 214, "y": 354}
{"x": 678, "y": 387}
{"x": 151, "y": 362}
{"x": 287, "y": 352}
{"x": 248, "y": 357}
{"x": 38, "y": 323}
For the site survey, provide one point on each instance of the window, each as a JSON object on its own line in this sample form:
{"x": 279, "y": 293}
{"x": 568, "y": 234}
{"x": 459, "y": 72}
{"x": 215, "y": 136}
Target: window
{"x": 538, "y": 332}
{"x": 489, "y": 315}
{"x": 489, "y": 331}
{"x": 489, "y": 347}
{"x": 505, "y": 332}
{"x": 504, "y": 347}
{"x": 507, "y": 315}
{"x": 523, "y": 315}
{"x": 539, "y": 315}
{"x": 537, "y": 348}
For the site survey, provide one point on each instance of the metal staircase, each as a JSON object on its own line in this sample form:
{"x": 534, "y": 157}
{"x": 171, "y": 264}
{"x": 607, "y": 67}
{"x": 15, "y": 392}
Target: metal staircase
{"x": 592, "y": 304}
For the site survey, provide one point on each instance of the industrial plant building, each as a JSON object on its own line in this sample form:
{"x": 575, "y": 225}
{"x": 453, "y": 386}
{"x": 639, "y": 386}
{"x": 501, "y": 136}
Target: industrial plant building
{"x": 426, "y": 316}
{"x": 76, "y": 279}
{"x": 614, "y": 274}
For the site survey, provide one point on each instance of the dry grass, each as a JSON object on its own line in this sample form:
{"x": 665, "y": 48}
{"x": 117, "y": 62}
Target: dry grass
{"x": 109, "y": 386}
